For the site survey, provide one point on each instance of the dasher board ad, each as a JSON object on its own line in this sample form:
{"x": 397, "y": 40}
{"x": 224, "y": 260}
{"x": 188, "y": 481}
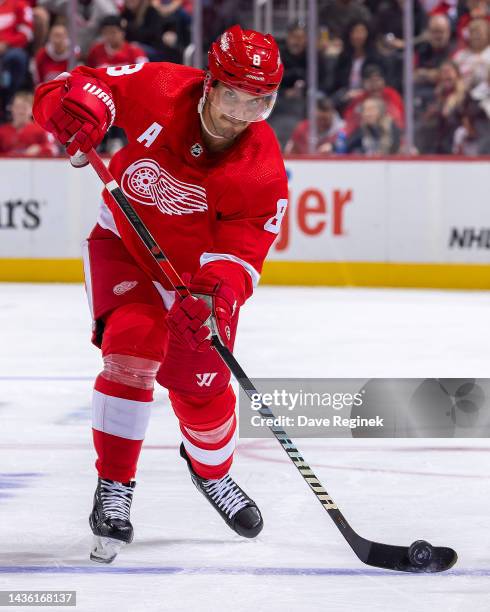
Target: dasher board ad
{"x": 348, "y": 211}
{"x": 385, "y": 211}
{"x": 367, "y": 408}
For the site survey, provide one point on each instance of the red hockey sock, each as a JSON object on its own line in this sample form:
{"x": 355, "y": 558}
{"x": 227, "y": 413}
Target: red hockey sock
{"x": 208, "y": 427}
{"x": 120, "y": 417}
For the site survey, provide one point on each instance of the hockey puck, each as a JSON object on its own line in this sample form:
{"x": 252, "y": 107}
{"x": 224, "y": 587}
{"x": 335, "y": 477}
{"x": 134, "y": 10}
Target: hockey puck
{"x": 420, "y": 553}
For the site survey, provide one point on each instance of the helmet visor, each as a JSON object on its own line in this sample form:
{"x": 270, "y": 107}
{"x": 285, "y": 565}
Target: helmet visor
{"x": 241, "y": 105}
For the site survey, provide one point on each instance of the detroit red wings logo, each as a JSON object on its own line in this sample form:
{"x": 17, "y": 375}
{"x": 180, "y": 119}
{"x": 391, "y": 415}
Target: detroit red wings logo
{"x": 148, "y": 183}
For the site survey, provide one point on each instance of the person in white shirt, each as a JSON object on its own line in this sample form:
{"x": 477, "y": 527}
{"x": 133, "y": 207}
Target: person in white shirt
{"x": 474, "y": 60}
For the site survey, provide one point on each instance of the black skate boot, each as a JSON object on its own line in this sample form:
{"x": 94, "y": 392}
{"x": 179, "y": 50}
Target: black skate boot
{"x": 109, "y": 520}
{"x": 232, "y": 503}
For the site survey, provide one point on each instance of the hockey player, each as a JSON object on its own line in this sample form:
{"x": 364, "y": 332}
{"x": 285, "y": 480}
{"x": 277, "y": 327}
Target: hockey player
{"x": 205, "y": 173}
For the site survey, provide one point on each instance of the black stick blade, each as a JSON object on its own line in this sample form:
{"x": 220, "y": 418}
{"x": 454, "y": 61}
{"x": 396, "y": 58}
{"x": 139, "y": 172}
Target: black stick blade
{"x": 397, "y": 558}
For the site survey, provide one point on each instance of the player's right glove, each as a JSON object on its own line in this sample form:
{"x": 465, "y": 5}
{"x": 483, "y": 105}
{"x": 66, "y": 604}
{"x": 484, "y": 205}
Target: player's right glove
{"x": 87, "y": 111}
{"x": 189, "y": 319}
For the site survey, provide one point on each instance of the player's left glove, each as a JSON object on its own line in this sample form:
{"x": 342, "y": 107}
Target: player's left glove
{"x": 83, "y": 117}
{"x": 208, "y": 311}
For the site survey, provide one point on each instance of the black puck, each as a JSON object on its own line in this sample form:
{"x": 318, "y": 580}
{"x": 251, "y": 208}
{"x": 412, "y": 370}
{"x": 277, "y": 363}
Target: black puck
{"x": 420, "y": 553}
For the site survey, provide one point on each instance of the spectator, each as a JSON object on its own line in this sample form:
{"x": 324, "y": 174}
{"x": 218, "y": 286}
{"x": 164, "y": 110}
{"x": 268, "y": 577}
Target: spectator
{"x": 429, "y": 55}
{"x": 167, "y": 8}
{"x": 436, "y": 49}
{"x": 374, "y": 86}
{"x": 41, "y": 20}
{"x": 473, "y": 9}
{"x": 481, "y": 95}
{"x": 291, "y": 102}
{"x": 114, "y": 50}
{"x": 89, "y": 15}
{"x": 337, "y": 14}
{"x": 52, "y": 59}
{"x": 377, "y": 133}
{"x": 175, "y": 18}
{"x": 388, "y": 27}
{"x": 469, "y": 135}
{"x": 358, "y": 50}
{"x": 22, "y": 136}
{"x": 329, "y": 125}
{"x": 329, "y": 50}
{"x": 217, "y": 16}
{"x": 293, "y": 55}
{"x": 389, "y": 23}
{"x": 472, "y": 137}
{"x": 474, "y": 60}
{"x": 441, "y": 7}
{"x": 15, "y": 35}
{"x": 435, "y": 129}
{"x": 145, "y": 26}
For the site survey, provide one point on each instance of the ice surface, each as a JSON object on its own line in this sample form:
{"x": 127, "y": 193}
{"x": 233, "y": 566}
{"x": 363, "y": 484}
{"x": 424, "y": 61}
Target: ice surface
{"x": 184, "y": 557}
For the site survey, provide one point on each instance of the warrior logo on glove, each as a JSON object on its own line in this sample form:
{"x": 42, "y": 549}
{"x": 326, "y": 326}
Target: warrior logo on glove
{"x": 105, "y": 97}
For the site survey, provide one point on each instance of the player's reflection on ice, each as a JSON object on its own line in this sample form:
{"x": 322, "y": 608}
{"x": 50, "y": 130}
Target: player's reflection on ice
{"x": 430, "y": 408}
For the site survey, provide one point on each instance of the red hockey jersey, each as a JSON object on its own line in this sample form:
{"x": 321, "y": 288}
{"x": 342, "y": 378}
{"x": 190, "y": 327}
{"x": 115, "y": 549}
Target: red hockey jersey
{"x": 101, "y": 56}
{"x": 201, "y": 207}
{"x": 15, "y": 23}
{"x": 48, "y": 65}
{"x": 17, "y": 141}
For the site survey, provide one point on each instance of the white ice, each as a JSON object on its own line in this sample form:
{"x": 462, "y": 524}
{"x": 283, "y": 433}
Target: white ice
{"x": 184, "y": 557}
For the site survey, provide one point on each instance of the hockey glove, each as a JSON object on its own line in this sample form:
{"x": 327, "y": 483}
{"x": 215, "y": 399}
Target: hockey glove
{"x": 208, "y": 311}
{"x": 87, "y": 111}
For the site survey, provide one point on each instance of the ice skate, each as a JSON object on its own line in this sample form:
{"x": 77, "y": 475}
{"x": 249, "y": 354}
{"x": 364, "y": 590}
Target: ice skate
{"x": 109, "y": 519}
{"x": 235, "y": 507}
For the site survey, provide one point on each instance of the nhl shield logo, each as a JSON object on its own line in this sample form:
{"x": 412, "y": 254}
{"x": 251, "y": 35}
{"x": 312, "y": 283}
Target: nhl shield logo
{"x": 196, "y": 149}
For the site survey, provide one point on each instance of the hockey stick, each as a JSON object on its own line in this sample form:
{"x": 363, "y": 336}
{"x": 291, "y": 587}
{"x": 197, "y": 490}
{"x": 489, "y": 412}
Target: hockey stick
{"x": 420, "y": 556}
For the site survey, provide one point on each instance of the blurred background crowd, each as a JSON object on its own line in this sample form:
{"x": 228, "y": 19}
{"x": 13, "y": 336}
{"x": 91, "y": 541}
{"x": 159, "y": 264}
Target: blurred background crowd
{"x": 359, "y": 104}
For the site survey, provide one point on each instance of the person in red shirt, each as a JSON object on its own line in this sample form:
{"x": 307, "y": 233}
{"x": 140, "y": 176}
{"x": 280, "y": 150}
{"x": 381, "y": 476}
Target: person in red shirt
{"x": 329, "y": 127}
{"x": 440, "y": 7}
{"x": 204, "y": 170}
{"x": 114, "y": 50}
{"x": 21, "y": 136}
{"x": 374, "y": 86}
{"x": 52, "y": 59}
{"x": 15, "y": 34}
{"x": 475, "y": 9}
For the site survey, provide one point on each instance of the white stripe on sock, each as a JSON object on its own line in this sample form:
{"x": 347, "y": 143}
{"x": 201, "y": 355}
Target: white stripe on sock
{"x": 120, "y": 417}
{"x": 210, "y": 457}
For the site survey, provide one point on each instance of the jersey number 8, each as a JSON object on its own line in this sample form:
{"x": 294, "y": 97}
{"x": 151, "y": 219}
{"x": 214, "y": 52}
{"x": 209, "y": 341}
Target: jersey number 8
{"x": 273, "y": 225}
{"x": 120, "y": 70}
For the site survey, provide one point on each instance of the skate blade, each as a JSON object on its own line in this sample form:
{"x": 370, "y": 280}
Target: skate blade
{"x": 105, "y": 550}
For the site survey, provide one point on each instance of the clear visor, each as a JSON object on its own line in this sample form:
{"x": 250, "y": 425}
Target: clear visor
{"x": 241, "y": 105}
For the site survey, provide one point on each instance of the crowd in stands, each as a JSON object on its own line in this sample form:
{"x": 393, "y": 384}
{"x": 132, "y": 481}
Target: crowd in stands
{"x": 359, "y": 106}
{"x": 360, "y": 79}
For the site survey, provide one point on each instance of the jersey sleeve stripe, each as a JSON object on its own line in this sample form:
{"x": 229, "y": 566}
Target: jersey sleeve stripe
{"x": 209, "y": 257}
